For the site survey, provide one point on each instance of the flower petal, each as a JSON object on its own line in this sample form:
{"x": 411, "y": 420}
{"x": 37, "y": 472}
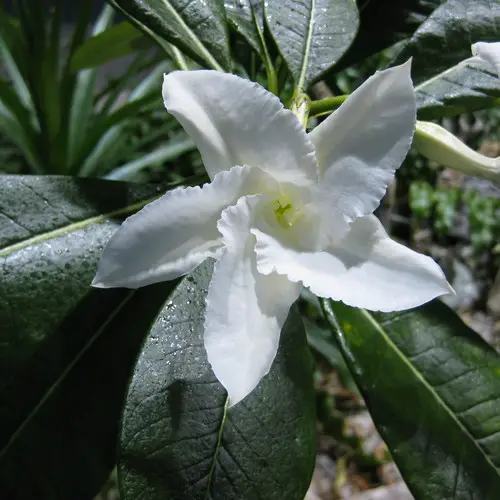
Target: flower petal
{"x": 361, "y": 145}
{"x": 237, "y": 122}
{"x": 245, "y": 309}
{"x": 489, "y": 52}
{"x": 367, "y": 269}
{"x": 172, "y": 235}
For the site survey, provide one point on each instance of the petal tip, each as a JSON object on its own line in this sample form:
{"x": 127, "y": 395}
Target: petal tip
{"x": 408, "y": 63}
{"x": 449, "y": 290}
{"x": 234, "y": 400}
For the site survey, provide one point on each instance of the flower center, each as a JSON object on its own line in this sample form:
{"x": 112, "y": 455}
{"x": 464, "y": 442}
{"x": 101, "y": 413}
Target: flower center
{"x": 284, "y": 211}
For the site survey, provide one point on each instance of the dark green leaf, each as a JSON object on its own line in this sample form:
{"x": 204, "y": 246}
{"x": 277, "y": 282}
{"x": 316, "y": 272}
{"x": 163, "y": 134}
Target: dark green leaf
{"x": 197, "y": 27}
{"x": 13, "y": 52}
{"x": 81, "y": 107}
{"x": 311, "y": 34}
{"x": 445, "y": 86}
{"x": 116, "y": 41}
{"x": 66, "y": 350}
{"x": 178, "y": 441}
{"x": 464, "y": 87}
{"x": 445, "y": 38}
{"x": 383, "y": 23}
{"x": 242, "y": 15}
{"x": 433, "y": 389}
{"x": 321, "y": 340}
{"x": 16, "y": 123}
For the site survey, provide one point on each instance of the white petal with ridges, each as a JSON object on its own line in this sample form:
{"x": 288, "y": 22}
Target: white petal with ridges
{"x": 361, "y": 145}
{"x": 175, "y": 233}
{"x": 246, "y": 310}
{"x": 367, "y": 269}
{"x": 237, "y": 122}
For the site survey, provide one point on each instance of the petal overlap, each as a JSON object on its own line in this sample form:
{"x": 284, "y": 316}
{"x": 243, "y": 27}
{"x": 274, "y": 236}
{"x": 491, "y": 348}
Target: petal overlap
{"x": 366, "y": 269}
{"x": 245, "y": 309}
{"x": 360, "y": 146}
{"x": 175, "y": 233}
{"x": 284, "y": 209}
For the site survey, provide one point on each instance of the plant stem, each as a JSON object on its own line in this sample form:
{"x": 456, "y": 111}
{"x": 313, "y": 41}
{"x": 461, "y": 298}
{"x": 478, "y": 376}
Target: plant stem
{"x": 272, "y": 77}
{"x": 300, "y": 107}
{"x": 326, "y": 105}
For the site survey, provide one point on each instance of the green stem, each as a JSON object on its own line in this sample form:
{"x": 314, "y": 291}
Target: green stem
{"x": 177, "y": 57}
{"x": 300, "y": 107}
{"x": 326, "y": 105}
{"x": 272, "y": 77}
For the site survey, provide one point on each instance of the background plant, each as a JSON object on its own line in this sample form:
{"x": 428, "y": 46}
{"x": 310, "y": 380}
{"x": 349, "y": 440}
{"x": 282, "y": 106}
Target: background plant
{"x": 57, "y": 107}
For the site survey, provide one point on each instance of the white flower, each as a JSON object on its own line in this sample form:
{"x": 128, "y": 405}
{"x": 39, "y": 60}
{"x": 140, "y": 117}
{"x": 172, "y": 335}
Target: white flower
{"x": 489, "y": 52}
{"x": 284, "y": 209}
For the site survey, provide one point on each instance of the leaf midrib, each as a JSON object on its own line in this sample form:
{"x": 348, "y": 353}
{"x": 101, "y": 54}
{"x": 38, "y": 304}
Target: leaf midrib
{"x": 217, "y": 448}
{"x": 447, "y": 71}
{"x": 192, "y": 36}
{"x": 307, "y": 48}
{"x": 429, "y": 387}
{"x": 54, "y": 233}
{"x": 53, "y": 387}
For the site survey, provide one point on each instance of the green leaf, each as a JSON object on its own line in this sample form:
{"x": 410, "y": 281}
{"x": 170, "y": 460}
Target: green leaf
{"x": 385, "y": 22}
{"x": 320, "y": 339}
{"x": 464, "y": 87}
{"x": 81, "y": 107}
{"x": 13, "y": 51}
{"x": 421, "y": 199}
{"x": 446, "y": 37}
{"x": 105, "y": 142}
{"x": 173, "y": 149}
{"x": 116, "y": 41}
{"x": 312, "y": 34}
{"x": 179, "y": 441}
{"x": 445, "y": 85}
{"x": 16, "y": 124}
{"x": 197, "y": 27}
{"x": 66, "y": 350}
{"x": 242, "y": 15}
{"x": 433, "y": 389}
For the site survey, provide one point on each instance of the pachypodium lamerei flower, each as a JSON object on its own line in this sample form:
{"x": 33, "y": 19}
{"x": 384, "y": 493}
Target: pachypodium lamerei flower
{"x": 283, "y": 209}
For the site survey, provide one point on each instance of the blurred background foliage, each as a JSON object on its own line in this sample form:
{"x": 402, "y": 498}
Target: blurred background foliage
{"x": 80, "y": 95}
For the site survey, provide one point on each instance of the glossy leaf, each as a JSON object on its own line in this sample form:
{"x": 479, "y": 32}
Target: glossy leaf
{"x": 445, "y": 38}
{"x": 432, "y": 386}
{"x": 197, "y": 27}
{"x": 446, "y": 85}
{"x": 464, "y": 87}
{"x": 116, "y": 41}
{"x": 385, "y": 22}
{"x": 243, "y": 16}
{"x": 179, "y": 441}
{"x": 321, "y": 340}
{"x": 311, "y": 34}
{"x": 66, "y": 350}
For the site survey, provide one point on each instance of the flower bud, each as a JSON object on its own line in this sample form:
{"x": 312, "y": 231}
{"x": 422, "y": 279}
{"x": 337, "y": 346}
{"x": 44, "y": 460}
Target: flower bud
{"x": 437, "y": 144}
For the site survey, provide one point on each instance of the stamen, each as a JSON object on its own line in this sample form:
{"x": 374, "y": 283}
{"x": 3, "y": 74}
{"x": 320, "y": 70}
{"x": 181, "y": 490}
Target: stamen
{"x": 281, "y": 214}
